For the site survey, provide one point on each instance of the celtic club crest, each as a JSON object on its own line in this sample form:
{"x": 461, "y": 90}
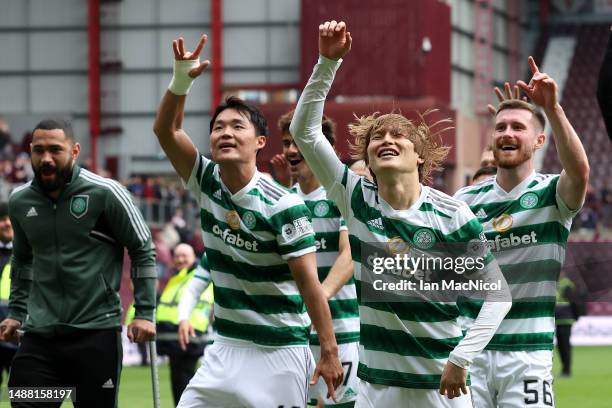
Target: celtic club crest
{"x": 79, "y": 204}
{"x": 529, "y": 200}
{"x": 321, "y": 209}
{"x": 249, "y": 219}
{"x": 424, "y": 238}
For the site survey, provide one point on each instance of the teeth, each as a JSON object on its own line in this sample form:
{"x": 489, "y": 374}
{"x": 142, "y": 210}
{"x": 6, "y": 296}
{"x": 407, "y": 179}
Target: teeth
{"x": 385, "y": 153}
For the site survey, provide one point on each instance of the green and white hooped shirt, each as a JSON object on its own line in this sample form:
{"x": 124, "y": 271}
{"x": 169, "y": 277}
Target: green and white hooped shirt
{"x": 404, "y": 344}
{"x": 249, "y": 237}
{"x": 527, "y": 231}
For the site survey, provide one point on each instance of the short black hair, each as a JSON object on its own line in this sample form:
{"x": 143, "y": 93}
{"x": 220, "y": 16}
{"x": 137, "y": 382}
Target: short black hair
{"x": 3, "y": 209}
{"x": 485, "y": 171}
{"x": 56, "y": 123}
{"x": 251, "y": 112}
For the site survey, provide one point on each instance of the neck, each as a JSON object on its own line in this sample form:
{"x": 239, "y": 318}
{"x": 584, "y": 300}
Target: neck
{"x": 400, "y": 191}
{"x": 236, "y": 176}
{"x": 308, "y": 184}
{"x": 510, "y": 178}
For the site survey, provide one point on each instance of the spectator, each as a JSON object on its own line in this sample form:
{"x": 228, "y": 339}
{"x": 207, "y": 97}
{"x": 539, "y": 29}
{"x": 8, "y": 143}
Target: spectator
{"x": 183, "y": 361}
{"x": 564, "y": 320}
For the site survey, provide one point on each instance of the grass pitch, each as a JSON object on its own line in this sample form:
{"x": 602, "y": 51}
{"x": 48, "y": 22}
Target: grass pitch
{"x": 587, "y": 388}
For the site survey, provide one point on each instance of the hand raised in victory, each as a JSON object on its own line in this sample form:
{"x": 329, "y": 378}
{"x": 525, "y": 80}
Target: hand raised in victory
{"x": 334, "y": 40}
{"x": 178, "y": 46}
{"x": 542, "y": 89}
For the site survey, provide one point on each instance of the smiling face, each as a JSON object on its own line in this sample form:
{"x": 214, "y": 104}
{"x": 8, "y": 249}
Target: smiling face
{"x": 516, "y": 137}
{"x": 184, "y": 256}
{"x": 233, "y": 138}
{"x": 297, "y": 165}
{"x": 392, "y": 151}
{"x": 53, "y": 156}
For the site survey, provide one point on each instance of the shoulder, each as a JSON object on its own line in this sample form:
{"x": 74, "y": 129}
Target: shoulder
{"x": 273, "y": 193}
{"x": 479, "y": 188}
{"x": 19, "y": 191}
{"x": 544, "y": 180}
{"x": 107, "y": 186}
{"x": 444, "y": 204}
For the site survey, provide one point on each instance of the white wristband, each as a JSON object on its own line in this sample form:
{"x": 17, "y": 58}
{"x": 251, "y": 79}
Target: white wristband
{"x": 181, "y": 81}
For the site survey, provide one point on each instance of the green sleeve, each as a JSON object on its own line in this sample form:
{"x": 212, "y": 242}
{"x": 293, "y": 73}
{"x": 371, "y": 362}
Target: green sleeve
{"x": 133, "y": 233}
{"x": 21, "y": 273}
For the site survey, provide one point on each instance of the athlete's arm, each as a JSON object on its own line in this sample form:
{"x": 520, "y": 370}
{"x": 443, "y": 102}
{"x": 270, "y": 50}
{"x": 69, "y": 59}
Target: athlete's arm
{"x": 169, "y": 120}
{"x": 572, "y": 186}
{"x": 342, "y": 269}
{"x": 334, "y": 43}
{"x": 496, "y": 305}
{"x": 604, "y": 87}
{"x": 189, "y": 299}
{"x": 304, "y": 271}
{"x": 130, "y": 230}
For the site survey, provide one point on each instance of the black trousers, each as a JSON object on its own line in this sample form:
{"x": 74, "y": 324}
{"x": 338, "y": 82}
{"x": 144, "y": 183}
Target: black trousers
{"x": 182, "y": 369}
{"x": 565, "y": 348}
{"x": 89, "y": 360}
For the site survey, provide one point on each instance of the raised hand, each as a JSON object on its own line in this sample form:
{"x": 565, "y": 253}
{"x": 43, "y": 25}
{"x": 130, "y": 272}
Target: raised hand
{"x": 178, "y": 46}
{"x": 509, "y": 93}
{"x": 542, "y": 89}
{"x": 280, "y": 167}
{"x": 334, "y": 40}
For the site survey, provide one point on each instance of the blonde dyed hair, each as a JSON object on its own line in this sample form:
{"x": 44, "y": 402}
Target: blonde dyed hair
{"x": 425, "y": 137}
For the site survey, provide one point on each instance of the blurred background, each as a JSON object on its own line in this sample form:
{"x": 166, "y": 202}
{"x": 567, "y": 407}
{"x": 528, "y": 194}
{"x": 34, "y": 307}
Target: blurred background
{"x": 105, "y": 64}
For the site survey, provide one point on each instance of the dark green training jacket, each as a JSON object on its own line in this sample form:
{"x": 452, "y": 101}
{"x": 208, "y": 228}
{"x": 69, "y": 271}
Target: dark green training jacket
{"x": 68, "y": 256}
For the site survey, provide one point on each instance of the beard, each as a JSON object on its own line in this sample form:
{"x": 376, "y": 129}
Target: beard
{"x": 523, "y": 154}
{"x": 62, "y": 176}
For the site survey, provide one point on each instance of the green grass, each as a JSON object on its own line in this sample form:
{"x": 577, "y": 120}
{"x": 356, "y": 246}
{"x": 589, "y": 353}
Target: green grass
{"x": 589, "y": 385}
{"x": 587, "y": 388}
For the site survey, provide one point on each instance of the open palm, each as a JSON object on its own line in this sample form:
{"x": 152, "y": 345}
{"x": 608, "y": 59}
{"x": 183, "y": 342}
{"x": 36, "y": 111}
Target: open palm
{"x": 334, "y": 40}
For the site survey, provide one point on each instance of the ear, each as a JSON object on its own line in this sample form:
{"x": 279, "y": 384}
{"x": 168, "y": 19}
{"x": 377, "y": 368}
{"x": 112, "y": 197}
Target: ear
{"x": 76, "y": 149}
{"x": 420, "y": 160}
{"x": 260, "y": 141}
{"x": 540, "y": 139}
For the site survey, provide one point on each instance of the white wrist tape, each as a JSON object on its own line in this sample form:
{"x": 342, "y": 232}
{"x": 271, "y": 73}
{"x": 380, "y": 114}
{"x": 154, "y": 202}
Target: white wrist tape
{"x": 181, "y": 81}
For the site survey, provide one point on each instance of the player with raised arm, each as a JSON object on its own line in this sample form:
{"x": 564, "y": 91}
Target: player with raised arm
{"x": 409, "y": 352}
{"x": 526, "y": 218}
{"x": 334, "y": 263}
{"x": 261, "y": 251}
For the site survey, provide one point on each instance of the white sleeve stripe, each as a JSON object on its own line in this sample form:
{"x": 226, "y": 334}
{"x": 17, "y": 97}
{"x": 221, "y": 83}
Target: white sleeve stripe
{"x": 136, "y": 220}
{"x": 21, "y": 187}
{"x": 124, "y": 197}
{"x": 126, "y": 202}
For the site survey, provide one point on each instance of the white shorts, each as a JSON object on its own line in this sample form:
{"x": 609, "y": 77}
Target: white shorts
{"x": 238, "y": 374}
{"x": 512, "y": 379}
{"x": 347, "y": 392}
{"x": 379, "y": 396}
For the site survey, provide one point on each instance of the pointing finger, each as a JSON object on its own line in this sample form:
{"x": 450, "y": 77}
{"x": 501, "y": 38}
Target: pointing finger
{"x": 532, "y": 65}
